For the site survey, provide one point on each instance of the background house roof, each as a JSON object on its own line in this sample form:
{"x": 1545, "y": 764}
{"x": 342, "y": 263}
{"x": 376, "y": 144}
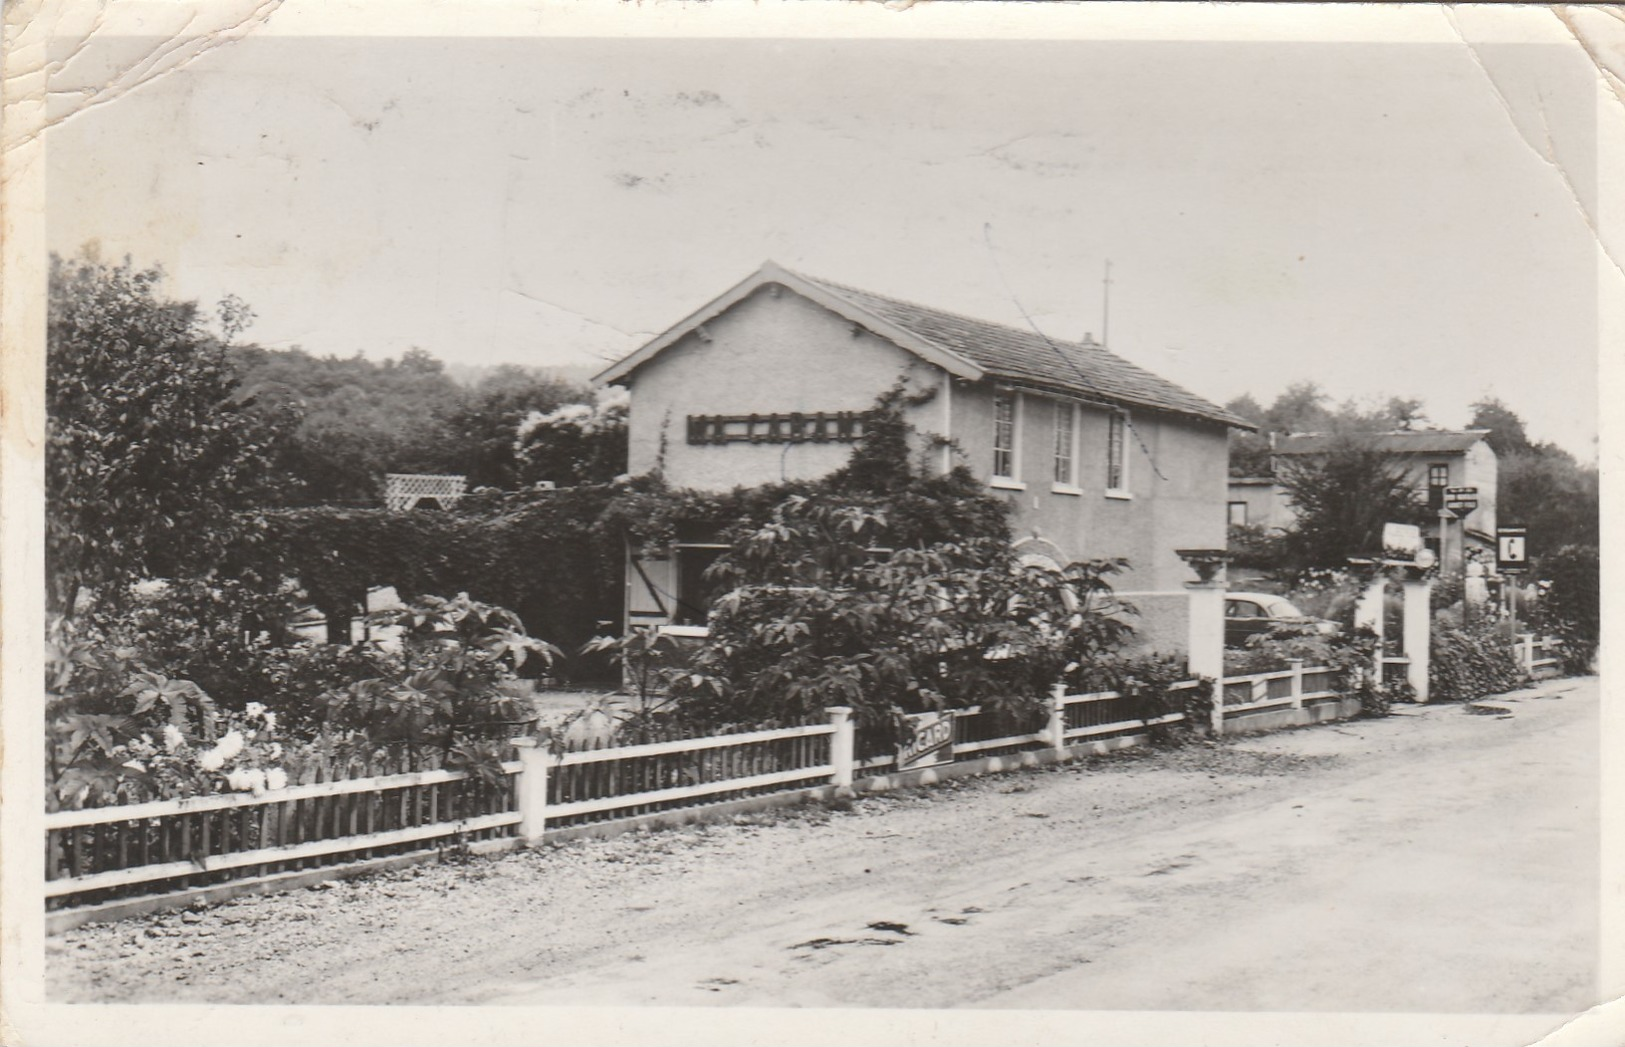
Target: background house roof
{"x": 1087, "y": 370}
{"x": 1420, "y": 441}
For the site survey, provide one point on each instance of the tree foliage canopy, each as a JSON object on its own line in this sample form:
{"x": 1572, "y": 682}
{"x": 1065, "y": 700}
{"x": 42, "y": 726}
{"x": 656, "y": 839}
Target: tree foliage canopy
{"x": 1307, "y": 408}
{"x": 151, "y": 446}
{"x": 1342, "y": 500}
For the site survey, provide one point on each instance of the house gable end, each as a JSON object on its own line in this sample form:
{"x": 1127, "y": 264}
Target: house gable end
{"x": 766, "y": 278}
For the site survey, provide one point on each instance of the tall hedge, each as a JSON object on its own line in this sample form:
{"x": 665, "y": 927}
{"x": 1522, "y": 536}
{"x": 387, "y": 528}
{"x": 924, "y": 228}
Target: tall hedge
{"x": 1465, "y": 664}
{"x": 543, "y": 557}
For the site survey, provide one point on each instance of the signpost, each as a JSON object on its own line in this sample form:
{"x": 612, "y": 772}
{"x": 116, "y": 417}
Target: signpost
{"x": 1512, "y": 559}
{"x": 1461, "y": 500}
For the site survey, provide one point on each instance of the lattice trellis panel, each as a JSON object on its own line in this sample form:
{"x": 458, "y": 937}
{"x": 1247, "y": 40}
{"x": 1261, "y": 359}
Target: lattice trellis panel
{"x": 406, "y": 490}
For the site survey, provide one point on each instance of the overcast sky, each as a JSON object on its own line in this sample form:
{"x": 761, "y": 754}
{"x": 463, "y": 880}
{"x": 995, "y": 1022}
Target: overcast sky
{"x": 1378, "y": 218}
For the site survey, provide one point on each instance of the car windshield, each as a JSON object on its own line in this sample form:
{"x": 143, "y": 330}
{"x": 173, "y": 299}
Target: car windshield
{"x": 1283, "y": 609}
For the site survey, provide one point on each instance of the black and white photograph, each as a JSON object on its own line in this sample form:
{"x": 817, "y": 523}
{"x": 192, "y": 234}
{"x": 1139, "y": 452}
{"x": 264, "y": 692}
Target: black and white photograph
{"x": 809, "y": 523}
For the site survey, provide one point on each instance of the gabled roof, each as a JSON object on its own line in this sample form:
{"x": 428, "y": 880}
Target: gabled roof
{"x": 1409, "y": 441}
{"x": 964, "y": 346}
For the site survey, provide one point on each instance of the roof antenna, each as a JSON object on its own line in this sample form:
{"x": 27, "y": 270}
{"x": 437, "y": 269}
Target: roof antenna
{"x": 1106, "y": 305}
{"x": 987, "y": 238}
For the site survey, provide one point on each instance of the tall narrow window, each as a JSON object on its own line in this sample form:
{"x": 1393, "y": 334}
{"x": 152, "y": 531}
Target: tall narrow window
{"x": 1063, "y": 442}
{"x": 1004, "y": 435}
{"x": 1438, "y": 480}
{"x": 1116, "y": 480}
{"x": 1238, "y": 514}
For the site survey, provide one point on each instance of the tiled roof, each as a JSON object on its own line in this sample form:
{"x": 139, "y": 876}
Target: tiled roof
{"x": 1083, "y": 369}
{"x": 1419, "y": 441}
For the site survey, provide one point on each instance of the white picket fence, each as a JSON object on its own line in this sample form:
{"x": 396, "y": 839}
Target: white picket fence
{"x": 184, "y": 847}
{"x": 1538, "y": 654}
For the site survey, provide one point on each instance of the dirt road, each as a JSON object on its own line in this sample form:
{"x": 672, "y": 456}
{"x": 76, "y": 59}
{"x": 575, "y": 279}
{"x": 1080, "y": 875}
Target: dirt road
{"x": 1439, "y": 860}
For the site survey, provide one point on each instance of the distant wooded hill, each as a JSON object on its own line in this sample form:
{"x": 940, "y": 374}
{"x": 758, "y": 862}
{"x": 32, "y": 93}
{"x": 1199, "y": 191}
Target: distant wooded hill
{"x": 360, "y": 419}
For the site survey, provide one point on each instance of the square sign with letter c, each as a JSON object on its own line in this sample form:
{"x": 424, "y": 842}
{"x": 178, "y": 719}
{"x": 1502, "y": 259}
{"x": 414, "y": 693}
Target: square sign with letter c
{"x": 1511, "y": 548}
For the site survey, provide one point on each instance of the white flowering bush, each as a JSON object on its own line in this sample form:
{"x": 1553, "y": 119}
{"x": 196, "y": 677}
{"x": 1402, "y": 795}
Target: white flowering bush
{"x": 174, "y": 742}
{"x": 575, "y": 443}
{"x": 119, "y": 732}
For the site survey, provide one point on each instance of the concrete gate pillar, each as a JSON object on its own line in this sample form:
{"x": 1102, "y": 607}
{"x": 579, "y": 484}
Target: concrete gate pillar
{"x": 1417, "y": 632}
{"x": 1368, "y": 608}
{"x": 1204, "y": 652}
{"x": 1368, "y": 614}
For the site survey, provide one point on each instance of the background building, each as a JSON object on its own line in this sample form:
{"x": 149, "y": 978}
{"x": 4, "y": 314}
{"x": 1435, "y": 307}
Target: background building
{"x": 1434, "y": 460}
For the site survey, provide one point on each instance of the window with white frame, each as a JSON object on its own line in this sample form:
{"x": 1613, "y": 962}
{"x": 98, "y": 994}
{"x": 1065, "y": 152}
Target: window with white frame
{"x": 1004, "y": 435}
{"x": 1065, "y": 439}
{"x": 1116, "y": 451}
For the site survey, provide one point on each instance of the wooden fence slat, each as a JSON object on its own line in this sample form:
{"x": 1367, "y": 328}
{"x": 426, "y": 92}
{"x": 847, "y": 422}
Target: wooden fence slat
{"x": 313, "y": 850}
{"x": 163, "y": 808}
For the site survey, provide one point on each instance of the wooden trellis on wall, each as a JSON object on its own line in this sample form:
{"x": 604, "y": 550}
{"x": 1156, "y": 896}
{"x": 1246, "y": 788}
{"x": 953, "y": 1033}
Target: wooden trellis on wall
{"x": 407, "y": 490}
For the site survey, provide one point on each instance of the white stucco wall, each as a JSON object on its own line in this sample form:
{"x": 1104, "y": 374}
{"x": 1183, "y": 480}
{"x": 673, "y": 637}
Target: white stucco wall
{"x": 1176, "y": 485}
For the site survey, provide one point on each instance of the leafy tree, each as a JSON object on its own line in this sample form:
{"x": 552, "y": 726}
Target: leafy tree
{"x": 1397, "y": 412}
{"x": 1342, "y": 499}
{"x": 1507, "y": 434}
{"x": 1546, "y": 490}
{"x": 1302, "y": 408}
{"x": 150, "y": 443}
{"x": 1249, "y": 452}
{"x": 1541, "y": 486}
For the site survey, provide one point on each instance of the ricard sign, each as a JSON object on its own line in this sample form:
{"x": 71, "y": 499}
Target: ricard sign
{"x": 930, "y": 741}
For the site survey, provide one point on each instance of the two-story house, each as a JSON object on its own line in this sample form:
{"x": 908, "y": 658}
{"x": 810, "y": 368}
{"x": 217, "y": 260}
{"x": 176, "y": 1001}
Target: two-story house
{"x": 1434, "y": 460}
{"x": 769, "y": 382}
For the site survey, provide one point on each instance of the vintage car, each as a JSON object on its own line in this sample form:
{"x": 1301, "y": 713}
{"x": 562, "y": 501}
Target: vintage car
{"x": 1248, "y": 614}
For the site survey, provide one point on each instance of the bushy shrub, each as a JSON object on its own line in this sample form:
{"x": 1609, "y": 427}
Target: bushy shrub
{"x": 814, "y": 616}
{"x": 118, "y": 731}
{"x": 1251, "y": 545}
{"x": 1571, "y": 607}
{"x": 1267, "y": 653}
{"x": 1448, "y": 590}
{"x": 1469, "y": 663}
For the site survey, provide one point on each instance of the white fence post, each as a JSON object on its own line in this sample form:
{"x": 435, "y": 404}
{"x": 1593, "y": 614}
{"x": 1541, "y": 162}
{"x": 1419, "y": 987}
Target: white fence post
{"x": 1057, "y": 719}
{"x": 1296, "y": 665}
{"x": 1217, "y": 718}
{"x": 532, "y": 786}
{"x": 841, "y": 745}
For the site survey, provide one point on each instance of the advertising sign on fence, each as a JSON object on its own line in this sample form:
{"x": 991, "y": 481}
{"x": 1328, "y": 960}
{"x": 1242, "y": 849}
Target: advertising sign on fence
{"x": 930, "y": 741}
